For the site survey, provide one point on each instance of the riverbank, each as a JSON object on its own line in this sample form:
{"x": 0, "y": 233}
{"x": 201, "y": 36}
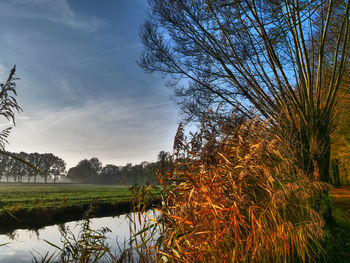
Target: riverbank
{"x": 39, "y": 205}
{"x": 37, "y": 218}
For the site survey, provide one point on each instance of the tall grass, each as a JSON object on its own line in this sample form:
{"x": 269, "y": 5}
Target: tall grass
{"x": 232, "y": 195}
{"x": 90, "y": 245}
{"x": 246, "y": 203}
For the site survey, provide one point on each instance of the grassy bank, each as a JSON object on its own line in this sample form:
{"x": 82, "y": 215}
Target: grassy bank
{"x": 37, "y": 205}
{"x": 338, "y": 248}
{"x": 16, "y": 196}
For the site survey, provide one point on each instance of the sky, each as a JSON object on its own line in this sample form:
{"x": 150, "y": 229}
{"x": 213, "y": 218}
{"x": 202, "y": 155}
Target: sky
{"x": 82, "y": 93}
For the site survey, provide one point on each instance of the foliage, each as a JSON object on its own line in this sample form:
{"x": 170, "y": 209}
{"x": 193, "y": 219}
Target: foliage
{"x": 145, "y": 233}
{"x": 341, "y": 143}
{"x": 91, "y": 245}
{"x": 85, "y": 171}
{"x": 18, "y": 165}
{"x": 337, "y": 243}
{"x": 92, "y": 171}
{"x": 248, "y": 203}
{"x": 272, "y": 58}
{"x": 88, "y": 247}
{"x": 8, "y": 104}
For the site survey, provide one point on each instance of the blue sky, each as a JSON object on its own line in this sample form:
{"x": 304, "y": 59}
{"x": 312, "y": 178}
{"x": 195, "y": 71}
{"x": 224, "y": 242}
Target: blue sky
{"x": 80, "y": 88}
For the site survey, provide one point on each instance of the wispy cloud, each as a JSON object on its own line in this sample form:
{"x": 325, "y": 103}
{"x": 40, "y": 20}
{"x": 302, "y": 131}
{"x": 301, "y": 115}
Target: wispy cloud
{"x": 83, "y": 94}
{"x": 114, "y": 131}
{"x": 127, "y": 47}
{"x": 57, "y": 11}
{"x": 156, "y": 105}
{"x": 67, "y": 86}
{"x": 3, "y": 73}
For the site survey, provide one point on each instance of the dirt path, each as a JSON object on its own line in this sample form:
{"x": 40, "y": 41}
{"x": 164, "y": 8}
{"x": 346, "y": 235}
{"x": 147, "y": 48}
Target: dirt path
{"x": 341, "y": 200}
{"x": 341, "y": 194}
{"x": 341, "y": 211}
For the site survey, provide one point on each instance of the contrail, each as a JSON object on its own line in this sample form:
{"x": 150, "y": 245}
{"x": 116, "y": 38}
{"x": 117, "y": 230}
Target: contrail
{"x": 155, "y": 105}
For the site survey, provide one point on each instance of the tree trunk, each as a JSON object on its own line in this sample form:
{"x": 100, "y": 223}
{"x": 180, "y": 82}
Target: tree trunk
{"x": 324, "y": 162}
{"x": 335, "y": 173}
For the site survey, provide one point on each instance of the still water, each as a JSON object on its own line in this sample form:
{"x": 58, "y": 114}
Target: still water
{"x": 22, "y": 244}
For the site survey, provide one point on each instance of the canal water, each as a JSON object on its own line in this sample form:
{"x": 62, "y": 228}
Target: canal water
{"x": 20, "y": 245}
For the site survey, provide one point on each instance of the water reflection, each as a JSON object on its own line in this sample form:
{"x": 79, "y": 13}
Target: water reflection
{"x": 22, "y": 243}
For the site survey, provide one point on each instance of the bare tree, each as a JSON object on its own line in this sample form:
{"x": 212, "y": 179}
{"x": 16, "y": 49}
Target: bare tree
{"x": 256, "y": 57}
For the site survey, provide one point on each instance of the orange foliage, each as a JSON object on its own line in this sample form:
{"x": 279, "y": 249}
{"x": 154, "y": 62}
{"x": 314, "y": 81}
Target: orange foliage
{"x": 248, "y": 204}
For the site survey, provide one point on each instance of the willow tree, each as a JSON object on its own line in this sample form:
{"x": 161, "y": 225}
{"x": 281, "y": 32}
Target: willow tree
{"x": 280, "y": 60}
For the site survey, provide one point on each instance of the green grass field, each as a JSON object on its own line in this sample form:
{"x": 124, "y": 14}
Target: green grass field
{"x": 37, "y": 205}
{"x": 19, "y": 196}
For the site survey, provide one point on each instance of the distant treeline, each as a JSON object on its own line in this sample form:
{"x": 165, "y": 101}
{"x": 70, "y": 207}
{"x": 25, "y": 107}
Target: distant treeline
{"x": 44, "y": 165}
{"x": 92, "y": 171}
{"x": 48, "y": 167}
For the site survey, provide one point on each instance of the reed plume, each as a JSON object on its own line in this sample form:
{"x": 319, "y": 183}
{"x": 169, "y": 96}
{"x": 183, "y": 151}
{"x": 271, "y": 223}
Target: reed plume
{"x": 246, "y": 203}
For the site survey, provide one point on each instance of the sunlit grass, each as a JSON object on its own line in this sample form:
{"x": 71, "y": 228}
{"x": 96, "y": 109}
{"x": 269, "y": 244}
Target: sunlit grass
{"x": 24, "y": 196}
{"x": 338, "y": 235}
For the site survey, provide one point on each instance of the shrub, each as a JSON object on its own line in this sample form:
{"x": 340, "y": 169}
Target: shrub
{"x": 246, "y": 203}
